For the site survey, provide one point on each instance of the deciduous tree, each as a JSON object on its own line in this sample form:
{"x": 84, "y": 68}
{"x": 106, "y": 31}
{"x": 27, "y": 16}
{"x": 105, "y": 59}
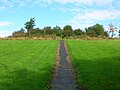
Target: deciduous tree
{"x": 67, "y": 31}
{"x": 57, "y": 31}
{"x": 78, "y": 32}
{"x": 29, "y": 25}
{"x": 19, "y": 33}
{"x": 95, "y": 31}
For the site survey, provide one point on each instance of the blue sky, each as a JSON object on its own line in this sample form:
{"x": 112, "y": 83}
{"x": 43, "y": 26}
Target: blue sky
{"x": 78, "y": 13}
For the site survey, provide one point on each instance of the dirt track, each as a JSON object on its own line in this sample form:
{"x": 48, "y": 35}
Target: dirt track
{"x": 64, "y": 78}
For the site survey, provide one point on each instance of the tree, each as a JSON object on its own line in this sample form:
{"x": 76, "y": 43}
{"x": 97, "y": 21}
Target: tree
{"x": 106, "y": 33}
{"x": 86, "y": 29}
{"x": 78, "y": 32}
{"x": 99, "y": 30}
{"x": 67, "y": 31}
{"x": 91, "y": 32}
{"x": 20, "y": 33}
{"x": 95, "y": 31}
{"x": 119, "y": 32}
{"x": 29, "y": 25}
{"x": 57, "y": 31}
{"x": 47, "y": 30}
{"x": 35, "y": 32}
{"x": 111, "y": 29}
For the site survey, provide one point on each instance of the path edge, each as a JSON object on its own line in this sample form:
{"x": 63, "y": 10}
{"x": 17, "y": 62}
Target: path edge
{"x": 73, "y": 68}
{"x": 55, "y": 66}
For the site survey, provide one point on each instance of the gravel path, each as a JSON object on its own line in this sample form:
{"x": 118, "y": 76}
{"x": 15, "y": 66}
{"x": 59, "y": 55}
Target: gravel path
{"x": 64, "y": 78}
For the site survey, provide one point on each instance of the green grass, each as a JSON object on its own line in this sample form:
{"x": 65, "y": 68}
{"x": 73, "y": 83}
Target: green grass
{"x": 26, "y": 64}
{"x": 97, "y": 63}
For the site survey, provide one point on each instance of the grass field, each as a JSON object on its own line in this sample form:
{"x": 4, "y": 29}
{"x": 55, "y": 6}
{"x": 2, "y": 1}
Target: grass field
{"x": 97, "y": 63}
{"x": 27, "y": 64}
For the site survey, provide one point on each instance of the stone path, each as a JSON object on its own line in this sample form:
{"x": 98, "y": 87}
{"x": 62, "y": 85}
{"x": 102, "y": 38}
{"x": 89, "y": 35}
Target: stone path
{"x": 64, "y": 78}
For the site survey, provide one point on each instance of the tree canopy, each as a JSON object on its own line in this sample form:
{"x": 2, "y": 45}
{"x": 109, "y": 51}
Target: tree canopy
{"x": 67, "y": 31}
{"x": 96, "y": 30}
{"x": 29, "y": 25}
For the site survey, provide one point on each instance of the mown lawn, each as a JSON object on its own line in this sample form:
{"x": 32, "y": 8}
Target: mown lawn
{"x": 97, "y": 63}
{"x": 26, "y": 64}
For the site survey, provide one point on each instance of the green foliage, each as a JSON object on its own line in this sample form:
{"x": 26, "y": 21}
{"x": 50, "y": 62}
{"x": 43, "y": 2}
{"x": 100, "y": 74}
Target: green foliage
{"x": 95, "y": 31}
{"x": 97, "y": 63}
{"x": 26, "y": 64}
{"x": 119, "y": 33}
{"x": 112, "y": 29}
{"x": 57, "y": 31}
{"x": 20, "y": 33}
{"x": 47, "y": 30}
{"x": 36, "y": 32}
{"x": 29, "y": 25}
{"x": 67, "y": 31}
{"x": 78, "y": 32}
{"x": 99, "y": 29}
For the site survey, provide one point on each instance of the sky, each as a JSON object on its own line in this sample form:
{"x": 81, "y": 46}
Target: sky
{"x": 77, "y": 13}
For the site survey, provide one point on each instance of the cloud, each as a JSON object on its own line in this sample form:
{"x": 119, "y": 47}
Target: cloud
{"x": 5, "y": 24}
{"x": 86, "y": 19}
{"x": 85, "y": 12}
{"x": 5, "y": 33}
{"x": 99, "y": 2}
{"x": 48, "y": 2}
{"x": 98, "y": 15}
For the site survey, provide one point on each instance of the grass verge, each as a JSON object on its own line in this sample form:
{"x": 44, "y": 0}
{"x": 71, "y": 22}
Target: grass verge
{"x": 97, "y": 63}
{"x": 26, "y": 64}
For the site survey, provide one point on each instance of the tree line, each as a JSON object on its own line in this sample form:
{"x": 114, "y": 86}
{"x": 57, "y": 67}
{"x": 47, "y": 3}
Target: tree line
{"x": 96, "y": 30}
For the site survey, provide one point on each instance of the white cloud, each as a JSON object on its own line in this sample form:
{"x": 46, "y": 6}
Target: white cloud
{"x": 86, "y": 19}
{"x": 85, "y": 12}
{"x": 5, "y": 23}
{"x": 100, "y": 2}
{"x": 47, "y": 2}
{"x": 98, "y": 15}
{"x": 5, "y": 33}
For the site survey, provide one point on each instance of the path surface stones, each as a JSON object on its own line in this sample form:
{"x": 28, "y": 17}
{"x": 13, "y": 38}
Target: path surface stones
{"x": 64, "y": 78}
